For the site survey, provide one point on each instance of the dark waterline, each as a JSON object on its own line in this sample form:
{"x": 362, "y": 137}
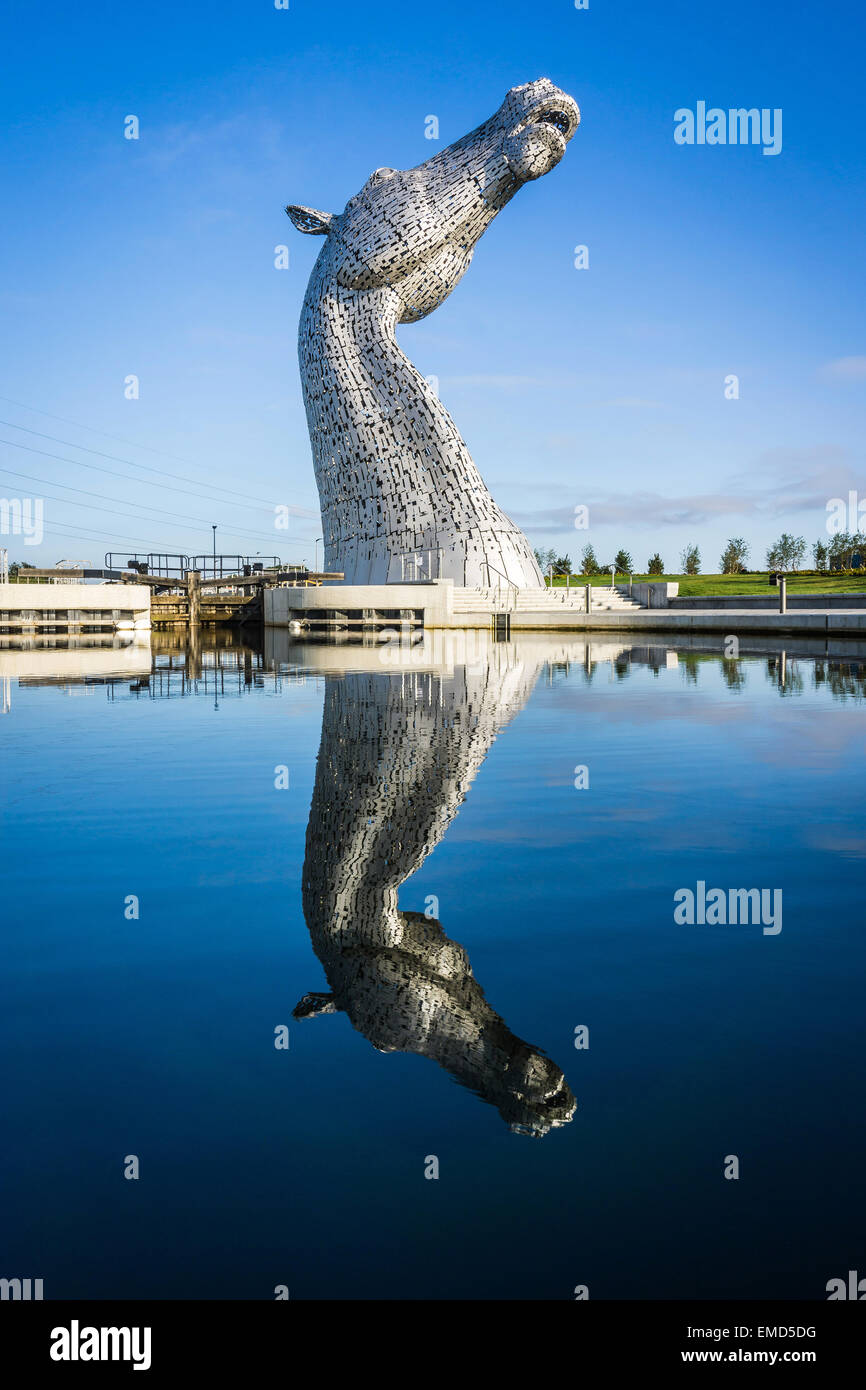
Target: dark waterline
{"x": 430, "y": 900}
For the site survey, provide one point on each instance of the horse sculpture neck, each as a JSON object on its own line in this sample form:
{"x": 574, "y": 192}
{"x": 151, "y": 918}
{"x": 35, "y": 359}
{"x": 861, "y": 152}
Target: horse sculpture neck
{"x": 400, "y": 494}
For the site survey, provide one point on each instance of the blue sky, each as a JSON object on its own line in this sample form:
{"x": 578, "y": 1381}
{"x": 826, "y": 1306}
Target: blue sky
{"x": 601, "y": 387}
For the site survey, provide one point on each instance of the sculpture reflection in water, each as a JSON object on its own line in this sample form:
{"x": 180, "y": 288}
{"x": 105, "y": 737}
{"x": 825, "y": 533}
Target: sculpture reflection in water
{"x": 399, "y": 752}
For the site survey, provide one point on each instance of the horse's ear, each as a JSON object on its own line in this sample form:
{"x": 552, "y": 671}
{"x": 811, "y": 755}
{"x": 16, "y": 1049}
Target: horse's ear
{"x": 310, "y": 221}
{"x": 312, "y": 1005}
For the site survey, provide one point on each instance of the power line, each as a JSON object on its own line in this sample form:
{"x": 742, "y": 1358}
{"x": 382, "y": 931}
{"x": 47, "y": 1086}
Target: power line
{"x": 175, "y": 516}
{"x": 91, "y": 429}
{"x": 131, "y": 516}
{"x": 132, "y": 462}
{"x": 101, "y": 536}
{"x": 112, "y": 472}
{"x": 95, "y": 535}
{"x": 98, "y": 453}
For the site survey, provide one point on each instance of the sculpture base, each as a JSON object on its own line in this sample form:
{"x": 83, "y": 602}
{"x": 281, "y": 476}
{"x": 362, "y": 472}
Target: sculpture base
{"x": 347, "y": 608}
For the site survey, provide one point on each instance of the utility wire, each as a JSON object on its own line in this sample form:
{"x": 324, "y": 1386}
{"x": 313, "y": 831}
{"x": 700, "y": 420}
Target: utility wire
{"x": 114, "y": 535}
{"x": 146, "y": 467}
{"x": 175, "y": 516}
{"x": 102, "y": 536}
{"x": 112, "y": 472}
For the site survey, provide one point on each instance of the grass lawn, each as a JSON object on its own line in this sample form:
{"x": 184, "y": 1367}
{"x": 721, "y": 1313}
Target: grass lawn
{"x": 694, "y": 585}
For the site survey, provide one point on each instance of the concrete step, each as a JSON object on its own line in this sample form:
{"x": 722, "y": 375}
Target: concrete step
{"x": 472, "y": 600}
{"x": 575, "y": 599}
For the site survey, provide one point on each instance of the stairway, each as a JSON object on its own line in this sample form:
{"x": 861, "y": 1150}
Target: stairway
{"x": 509, "y": 600}
{"x": 479, "y": 600}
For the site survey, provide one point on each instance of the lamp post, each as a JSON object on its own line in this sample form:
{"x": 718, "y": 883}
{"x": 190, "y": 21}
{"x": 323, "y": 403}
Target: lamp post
{"x": 214, "y": 526}
{"x": 316, "y": 560}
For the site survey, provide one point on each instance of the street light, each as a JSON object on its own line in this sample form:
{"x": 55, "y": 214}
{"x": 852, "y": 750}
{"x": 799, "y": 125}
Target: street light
{"x": 316, "y": 560}
{"x": 214, "y": 525}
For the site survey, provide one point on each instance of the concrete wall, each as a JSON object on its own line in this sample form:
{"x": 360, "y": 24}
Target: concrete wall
{"x": 89, "y": 598}
{"x": 651, "y": 595}
{"x": 436, "y": 598}
{"x": 770, "y": 600}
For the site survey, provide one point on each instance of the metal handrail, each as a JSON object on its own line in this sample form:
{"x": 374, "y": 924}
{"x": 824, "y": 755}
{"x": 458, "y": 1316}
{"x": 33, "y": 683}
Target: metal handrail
{"x": 509, "y": 582}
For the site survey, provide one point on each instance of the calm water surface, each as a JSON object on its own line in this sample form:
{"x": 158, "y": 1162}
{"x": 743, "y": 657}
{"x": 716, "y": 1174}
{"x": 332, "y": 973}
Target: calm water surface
{"x": 431, "y": 907}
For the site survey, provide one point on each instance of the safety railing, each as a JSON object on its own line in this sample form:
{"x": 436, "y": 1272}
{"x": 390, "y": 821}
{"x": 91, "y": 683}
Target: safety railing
{"x": 512, "y": 591}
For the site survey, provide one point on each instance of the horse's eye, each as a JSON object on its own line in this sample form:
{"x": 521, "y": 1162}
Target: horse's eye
{"x": 379, "y": 175}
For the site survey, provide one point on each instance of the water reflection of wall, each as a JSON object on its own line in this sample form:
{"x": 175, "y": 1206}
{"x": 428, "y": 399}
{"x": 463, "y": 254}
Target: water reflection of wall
{"x": 166, "y": 666}
{"x": 398, "y": 754}
{"x": 74, "y": 659}
{"x": 224, "y": 663}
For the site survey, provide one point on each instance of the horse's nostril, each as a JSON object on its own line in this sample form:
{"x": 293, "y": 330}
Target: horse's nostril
{"x": 557, "y": 118}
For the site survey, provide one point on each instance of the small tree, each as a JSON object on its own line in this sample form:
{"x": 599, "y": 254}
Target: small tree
{"x": 544, "y": 558}
{"x": 839, "y": 550}
{"x": 562, "y": 564}
{"x": 796, "y": 551}
{"x": 734, "y": 556}
{"x": 623, "y": 562}
{"x": 819, "y": 555}
{"x": 786, "y": 553}
{"x": 588, "y": 562}
{"x": 846, "y": 551}
{"x": 690, "y": 559}
{"x": 656, "y": 565}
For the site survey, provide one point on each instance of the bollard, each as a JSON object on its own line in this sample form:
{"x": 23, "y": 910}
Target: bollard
{"x": 589, "y": 598}
{"x": 193, "y": 588}
{"x": 783, "y": 594}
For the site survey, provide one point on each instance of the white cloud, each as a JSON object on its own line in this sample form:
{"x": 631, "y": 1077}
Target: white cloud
{"x": 780, "y": 484}
{"x": 844, "y": 369}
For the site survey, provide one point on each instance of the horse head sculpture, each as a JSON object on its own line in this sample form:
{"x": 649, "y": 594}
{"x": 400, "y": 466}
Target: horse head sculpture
{"x": 395, "y": 478}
